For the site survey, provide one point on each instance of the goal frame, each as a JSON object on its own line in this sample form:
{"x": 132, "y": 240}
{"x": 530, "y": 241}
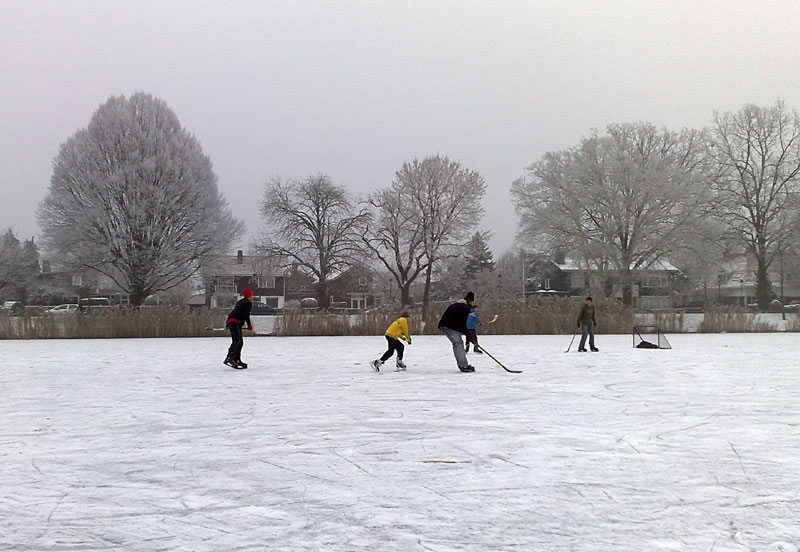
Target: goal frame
{"x": 662, "y": 341}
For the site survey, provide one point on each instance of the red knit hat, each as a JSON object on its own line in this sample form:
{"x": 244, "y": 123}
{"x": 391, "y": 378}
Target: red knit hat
{"x": 247, "y": 293}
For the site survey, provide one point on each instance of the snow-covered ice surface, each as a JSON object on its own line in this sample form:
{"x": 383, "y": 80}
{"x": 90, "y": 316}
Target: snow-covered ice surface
{"x": 155, "y": 445}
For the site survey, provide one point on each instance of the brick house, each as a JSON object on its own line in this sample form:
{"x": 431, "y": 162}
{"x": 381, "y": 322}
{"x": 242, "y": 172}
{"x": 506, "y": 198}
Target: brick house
{"x": 225, "y": 277}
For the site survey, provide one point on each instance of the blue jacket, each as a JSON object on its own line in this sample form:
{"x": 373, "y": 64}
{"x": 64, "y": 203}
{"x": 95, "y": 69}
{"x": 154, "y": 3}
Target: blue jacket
{"x": 473, "y": 320}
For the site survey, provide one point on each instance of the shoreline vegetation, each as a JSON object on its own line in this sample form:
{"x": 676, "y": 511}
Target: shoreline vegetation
{"x": 533, "y": 317}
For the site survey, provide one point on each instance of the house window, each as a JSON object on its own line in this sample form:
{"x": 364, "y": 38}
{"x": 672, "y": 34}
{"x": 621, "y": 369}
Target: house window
{"x": 358, "y": 302}
{"x": 547, "y": 283}
{"x": 267, "y": 282}
{"x": 77, "y": 280}
{"x": 655, "y": 281}
{"x": 362, "y": 281}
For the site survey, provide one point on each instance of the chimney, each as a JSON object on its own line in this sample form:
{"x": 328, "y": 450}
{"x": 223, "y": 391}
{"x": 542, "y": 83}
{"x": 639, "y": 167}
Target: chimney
{"x": 240, "y": 257}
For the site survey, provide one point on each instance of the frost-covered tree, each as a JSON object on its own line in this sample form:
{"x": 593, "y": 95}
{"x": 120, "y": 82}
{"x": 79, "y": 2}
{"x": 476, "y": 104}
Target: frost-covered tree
{"x": 444, "y": 200}
{"x": 622, "y": 200}
{"x": 314, "y": 225}
{"x": 134, "y": 197}
{"x": 757, "y": 151}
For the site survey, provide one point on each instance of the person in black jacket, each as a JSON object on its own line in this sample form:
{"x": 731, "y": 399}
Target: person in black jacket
{"x": 238, "y": 317}
{"x": 453, "y": 324}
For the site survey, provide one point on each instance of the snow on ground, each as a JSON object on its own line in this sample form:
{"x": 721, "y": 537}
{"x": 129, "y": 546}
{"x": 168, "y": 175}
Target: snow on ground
{"x": 155, "y": 445}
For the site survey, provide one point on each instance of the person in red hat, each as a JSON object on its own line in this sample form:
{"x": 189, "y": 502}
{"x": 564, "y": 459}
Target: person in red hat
{"x": 238, "y": 317}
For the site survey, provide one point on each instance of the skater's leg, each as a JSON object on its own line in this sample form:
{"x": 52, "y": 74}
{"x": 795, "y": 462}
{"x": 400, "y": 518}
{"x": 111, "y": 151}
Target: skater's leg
{"x": 392, "y": 345}
{"x": 236, "y": 337}
{"x": 591, "y": 336}
{"x": 235, "y": 352}
{"x": 584, "y": 335}
{"x": 458, "y": 346}
{"x": 399, "y": 347}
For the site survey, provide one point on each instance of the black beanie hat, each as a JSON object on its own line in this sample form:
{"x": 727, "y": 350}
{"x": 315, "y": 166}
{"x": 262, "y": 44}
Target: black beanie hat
{"x": 469, "y": 296}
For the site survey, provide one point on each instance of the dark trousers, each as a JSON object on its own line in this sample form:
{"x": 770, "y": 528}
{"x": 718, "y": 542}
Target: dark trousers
{"x": 237, "y": 342}
{"x": 394, "y": 345}
{"x": 587, "y": 330}
{"x": 472, "y": 337}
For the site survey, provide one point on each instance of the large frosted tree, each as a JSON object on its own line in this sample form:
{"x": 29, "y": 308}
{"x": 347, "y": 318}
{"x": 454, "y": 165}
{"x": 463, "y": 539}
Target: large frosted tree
{"x": 443, "y": 200}
{"x": 621, "y": 201}
{"x": 314, "y": 225}
{"x": 134, "y": 197}
{"x": 757, "y": 151}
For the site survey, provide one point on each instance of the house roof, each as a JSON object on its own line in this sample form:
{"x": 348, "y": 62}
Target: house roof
{"x": 229, "y": 265}
{"x": 573, "y": 265}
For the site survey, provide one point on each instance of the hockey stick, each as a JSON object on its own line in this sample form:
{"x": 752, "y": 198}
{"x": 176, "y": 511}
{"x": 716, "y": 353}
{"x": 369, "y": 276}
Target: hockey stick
{"x": 571, "y": 340}
{"x": 500, "y": 364}
{"x": 493, "y": 320}
{"x": 209, "y": 329}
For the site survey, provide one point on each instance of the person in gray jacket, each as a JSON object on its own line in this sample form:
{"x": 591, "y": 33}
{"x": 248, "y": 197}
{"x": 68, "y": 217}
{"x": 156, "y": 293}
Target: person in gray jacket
{"x": 587, "y": 324}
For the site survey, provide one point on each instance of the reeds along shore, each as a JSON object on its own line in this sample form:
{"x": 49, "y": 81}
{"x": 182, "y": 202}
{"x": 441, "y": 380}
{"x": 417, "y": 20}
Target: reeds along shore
{"x": 514, "y": 317}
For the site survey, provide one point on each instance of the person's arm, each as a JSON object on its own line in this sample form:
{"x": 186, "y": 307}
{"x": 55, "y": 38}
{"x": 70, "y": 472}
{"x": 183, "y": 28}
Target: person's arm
{"x": 478, "y": 319}
{"x": 404, "y": 327}
{"x": 594, "y": 320}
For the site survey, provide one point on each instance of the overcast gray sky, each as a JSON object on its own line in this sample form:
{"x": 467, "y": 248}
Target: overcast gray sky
{"x": 353, "y": 89}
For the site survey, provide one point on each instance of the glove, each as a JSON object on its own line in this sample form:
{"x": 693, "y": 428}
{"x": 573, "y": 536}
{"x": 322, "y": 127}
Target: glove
{"x": 579, "y": 324}
{"x": 249, "y": 326}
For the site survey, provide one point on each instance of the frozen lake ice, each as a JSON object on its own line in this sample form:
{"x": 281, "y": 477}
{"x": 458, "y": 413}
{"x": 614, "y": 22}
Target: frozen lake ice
{"x": 155, "y": 445}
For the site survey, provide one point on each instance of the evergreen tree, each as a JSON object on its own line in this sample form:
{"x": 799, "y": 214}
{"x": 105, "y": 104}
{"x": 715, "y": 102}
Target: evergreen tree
{"x": 478, "y": 256}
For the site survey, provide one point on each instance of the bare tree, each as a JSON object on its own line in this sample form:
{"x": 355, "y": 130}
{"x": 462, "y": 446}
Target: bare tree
{"x": 396, "y": 239}
{"x": 622, "y": 201}
{"x": 314, "y": 225}
{"x": 133, "y": 197}
{"x": 758, "y": 153}
{"x": 443, "y": 200}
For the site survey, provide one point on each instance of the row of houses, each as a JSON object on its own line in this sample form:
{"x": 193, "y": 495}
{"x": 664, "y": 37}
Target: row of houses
{"x": 221, "y": 281}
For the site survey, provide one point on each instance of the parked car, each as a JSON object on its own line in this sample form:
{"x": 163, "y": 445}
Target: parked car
{"x": 260, "y": 307}
{"x": 69, "y": 308}
{"x": 12, "y": 308}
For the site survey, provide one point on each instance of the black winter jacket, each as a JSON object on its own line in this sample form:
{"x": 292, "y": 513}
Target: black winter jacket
{"x": 241, "y": 312}
{"x": 455, "y": 317}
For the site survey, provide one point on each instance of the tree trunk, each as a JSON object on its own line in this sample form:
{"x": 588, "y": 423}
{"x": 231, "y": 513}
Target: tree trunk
{"x": 405, "y": 295}
{"x": 137, "y": 296}
{"x": 322, "y": 295}
{"x": 763, "y": 285}
{"x": 427, "y": 293}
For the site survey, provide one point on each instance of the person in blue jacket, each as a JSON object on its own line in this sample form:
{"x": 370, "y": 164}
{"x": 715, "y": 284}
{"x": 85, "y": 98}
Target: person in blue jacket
{"x": 473, "y": 321}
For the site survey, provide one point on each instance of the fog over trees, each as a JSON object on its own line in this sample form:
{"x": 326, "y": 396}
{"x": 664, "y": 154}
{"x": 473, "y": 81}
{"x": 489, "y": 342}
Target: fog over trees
{"x": 134, "y": 197}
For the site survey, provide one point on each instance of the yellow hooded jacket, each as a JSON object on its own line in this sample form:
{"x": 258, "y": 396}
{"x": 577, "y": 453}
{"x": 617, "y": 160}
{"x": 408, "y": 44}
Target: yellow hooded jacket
{"x": 398, "y": 329}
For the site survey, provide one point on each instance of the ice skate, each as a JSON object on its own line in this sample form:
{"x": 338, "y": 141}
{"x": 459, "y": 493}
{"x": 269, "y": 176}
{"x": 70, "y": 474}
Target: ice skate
{"x": 401, "y": 366}
{"x": 467, "y": 368}
{"x": 595, "y": 349}
{"x": 230, "y": 362}
{"x": 376, "y": 365}
{"x": 241, "y": 365}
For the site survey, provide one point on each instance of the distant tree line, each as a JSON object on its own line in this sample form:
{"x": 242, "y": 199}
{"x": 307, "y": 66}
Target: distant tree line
{"x": 133, "y": 196}
{"x": 627, "y": 198}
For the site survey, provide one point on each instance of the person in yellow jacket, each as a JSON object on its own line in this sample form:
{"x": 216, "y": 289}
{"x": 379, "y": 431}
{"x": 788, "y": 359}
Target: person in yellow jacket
{"x": 397, "y": 330}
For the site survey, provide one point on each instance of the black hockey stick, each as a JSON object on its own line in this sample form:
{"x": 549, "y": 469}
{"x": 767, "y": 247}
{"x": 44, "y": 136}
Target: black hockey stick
{"x": 500, "y": 364}
{"x": 571, "y": 340}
